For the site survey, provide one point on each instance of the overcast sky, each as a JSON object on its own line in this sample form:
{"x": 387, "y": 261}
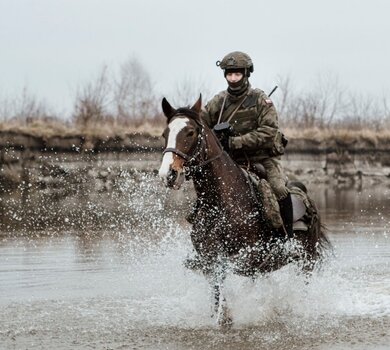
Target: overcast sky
{"x": 52, "y": 46}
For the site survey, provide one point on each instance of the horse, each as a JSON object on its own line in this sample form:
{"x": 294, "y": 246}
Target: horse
{"x": 231, "y": 226}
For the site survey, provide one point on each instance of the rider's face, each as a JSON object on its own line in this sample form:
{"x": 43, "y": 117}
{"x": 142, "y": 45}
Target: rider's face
{"x": 234, "y": 77}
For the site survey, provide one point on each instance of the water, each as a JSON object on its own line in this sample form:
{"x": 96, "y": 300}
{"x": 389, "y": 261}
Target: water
{"x": 104, "y": 270}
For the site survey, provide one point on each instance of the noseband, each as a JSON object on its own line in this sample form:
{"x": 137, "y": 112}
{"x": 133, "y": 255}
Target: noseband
{"x": 190, "y": 158}
{"x": 186, "y": 157}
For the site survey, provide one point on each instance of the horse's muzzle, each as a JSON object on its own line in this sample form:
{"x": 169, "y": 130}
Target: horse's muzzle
{"x": 171, "y": 178}
{"x": 174, "y": 179}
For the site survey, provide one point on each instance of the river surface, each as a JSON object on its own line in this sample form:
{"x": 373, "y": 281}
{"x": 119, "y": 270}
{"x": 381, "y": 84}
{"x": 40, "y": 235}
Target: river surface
{"x": 88, "y": 270}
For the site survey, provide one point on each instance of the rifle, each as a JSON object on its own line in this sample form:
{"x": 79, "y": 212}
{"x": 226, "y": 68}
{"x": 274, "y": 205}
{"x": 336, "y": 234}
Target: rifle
{"x": 273, "y": 90}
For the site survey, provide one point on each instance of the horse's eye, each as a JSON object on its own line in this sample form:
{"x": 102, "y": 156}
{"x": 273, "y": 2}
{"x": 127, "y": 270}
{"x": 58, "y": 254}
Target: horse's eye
{"x": 191, "y": 133}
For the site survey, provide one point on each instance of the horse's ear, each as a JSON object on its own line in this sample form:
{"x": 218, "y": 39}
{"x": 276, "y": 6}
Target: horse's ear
{"x": 198, "y": 105}
{"x": 168, "y": 110}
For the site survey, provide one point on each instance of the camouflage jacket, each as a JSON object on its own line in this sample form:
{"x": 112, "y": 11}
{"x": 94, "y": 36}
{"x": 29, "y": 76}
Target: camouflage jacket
{"x": 255, "y": 124}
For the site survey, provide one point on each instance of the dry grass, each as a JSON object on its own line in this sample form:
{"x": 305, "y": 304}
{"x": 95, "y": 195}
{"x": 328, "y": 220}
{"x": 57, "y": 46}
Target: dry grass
{"x": 110, "y": 127}
{"x": 49, "y": 127}
{"x": 39, "y": 127}
{"x": 347, "y": 136}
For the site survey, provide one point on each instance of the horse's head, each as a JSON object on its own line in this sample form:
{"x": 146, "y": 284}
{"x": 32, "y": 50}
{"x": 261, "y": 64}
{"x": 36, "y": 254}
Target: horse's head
{"x": 182, "y": 141}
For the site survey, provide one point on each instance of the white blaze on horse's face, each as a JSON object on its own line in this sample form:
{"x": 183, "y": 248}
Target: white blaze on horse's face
{"x": 172, "y": 162}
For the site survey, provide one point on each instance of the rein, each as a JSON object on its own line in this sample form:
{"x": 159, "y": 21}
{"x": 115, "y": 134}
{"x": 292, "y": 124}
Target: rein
{"x": 190, "y": 158}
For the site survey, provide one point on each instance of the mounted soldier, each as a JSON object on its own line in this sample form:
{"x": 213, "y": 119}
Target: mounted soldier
{"x": 246, "y": 121}
{"x": 232, "y": 231}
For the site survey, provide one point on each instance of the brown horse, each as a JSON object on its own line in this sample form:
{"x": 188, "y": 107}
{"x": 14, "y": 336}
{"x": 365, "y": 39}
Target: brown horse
{"x": 231, "y": 226}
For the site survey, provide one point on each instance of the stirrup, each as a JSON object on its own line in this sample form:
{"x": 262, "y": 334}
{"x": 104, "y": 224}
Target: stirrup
{"x": 300, "y": 226}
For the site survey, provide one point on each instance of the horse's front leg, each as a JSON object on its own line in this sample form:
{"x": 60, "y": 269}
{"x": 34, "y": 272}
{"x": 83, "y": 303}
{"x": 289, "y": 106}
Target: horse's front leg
{"x": 220, "y": 308}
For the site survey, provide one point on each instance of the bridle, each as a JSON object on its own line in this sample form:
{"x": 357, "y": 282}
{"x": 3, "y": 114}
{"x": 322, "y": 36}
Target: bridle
{"x": 191, "y": 159}
{"x": 188, "y": 157}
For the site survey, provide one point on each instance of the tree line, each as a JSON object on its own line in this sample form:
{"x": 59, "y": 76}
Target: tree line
{"x": 127, "y": 97}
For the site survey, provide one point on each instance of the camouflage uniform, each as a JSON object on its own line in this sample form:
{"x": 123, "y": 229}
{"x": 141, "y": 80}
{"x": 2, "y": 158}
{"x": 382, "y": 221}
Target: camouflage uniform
{"x": 254, "y": 121}
{"x": 258, "y": 137}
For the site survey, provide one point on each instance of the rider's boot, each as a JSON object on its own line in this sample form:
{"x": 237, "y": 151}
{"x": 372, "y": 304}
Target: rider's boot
{"x": 286, "y": 212}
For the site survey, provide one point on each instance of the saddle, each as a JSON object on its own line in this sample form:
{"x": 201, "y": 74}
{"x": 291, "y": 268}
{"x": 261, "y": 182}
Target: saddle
{"x": 257, "y": 177}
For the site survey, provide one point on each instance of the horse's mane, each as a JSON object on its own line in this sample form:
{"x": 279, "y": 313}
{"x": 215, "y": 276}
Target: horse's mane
{"x": 188, "y": 112}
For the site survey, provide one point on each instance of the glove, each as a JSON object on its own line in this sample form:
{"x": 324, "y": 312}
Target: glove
{"x": 223, "y": 131}
{"x": 224, "y": 140}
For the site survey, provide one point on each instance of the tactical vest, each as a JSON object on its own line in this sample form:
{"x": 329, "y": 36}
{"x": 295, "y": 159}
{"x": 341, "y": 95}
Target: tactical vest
{"x": 245, "y": 120}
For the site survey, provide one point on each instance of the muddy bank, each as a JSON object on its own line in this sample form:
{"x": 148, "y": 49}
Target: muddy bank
{"x": 77, "y": 143}
{"x": 42, "y": 162}
{"x": 131, "y": 142}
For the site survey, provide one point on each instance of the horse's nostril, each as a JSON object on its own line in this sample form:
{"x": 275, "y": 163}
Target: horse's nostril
{"x": 172, "y": 176}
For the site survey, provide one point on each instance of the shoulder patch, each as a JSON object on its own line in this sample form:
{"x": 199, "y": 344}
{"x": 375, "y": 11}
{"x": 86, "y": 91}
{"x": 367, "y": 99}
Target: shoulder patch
{"x": 265, "y": 100}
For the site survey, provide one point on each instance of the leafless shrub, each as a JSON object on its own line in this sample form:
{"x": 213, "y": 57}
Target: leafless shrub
{"x": 125, "y": 101}
{"x": 133, "y": 93}
{"x": 386, "y": 113}
{"x": 328, "y": 105}
{"x": 93, "y": 101}
{"x": 23, "y": 108}
{"x": 318, "y": 107}
{"x": 362, "y": 111}
{"x": 25, "y": 113}
{"x": 284, "y": 98}
{"x": 5, "y": 109}
{"x": 188, "y": 90}
{"x": 114, "y": 103}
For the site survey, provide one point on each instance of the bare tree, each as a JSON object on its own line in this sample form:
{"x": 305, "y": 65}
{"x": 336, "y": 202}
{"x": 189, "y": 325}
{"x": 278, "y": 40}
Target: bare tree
{"x": 330, "y": 99}
{"x": 187, "y": 91}
{"x": 385, "y": 119}
{"x": 133, "y": 93}
{"x": 5, "y": 109}
{"x": 363, "y": 112}
{"x": 23, "y": 108}
{"x": 283, "y": 98}
{"x": 318, "y": 107}
{"x": 93, "y": 100}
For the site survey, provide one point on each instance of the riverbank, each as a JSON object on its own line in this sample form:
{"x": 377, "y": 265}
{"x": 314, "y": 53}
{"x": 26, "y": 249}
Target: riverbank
{"x": 108, "y": 138}
{"x": 48, "y": 160}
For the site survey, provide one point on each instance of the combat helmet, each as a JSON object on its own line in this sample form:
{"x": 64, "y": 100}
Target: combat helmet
{"x": 236, "y": 60}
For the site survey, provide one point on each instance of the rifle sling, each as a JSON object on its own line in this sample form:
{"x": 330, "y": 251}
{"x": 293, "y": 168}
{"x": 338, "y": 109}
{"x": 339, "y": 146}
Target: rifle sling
{"x": 232, "y": 109}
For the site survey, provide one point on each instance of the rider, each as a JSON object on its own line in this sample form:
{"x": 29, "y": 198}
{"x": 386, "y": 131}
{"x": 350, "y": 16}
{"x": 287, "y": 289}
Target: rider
{"x": 254, "y": 120}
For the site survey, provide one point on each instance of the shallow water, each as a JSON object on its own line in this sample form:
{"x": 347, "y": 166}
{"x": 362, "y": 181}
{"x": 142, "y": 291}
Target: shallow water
{"x": 105, "y": 271}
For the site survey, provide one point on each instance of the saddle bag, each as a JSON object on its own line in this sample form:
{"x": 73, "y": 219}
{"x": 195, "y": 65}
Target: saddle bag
{"x": 267, "y": 198}
{"x": 271, "y": 205}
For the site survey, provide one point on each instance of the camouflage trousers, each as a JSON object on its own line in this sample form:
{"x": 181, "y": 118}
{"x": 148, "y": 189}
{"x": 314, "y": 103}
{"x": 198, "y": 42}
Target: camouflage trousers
{"x": 275, "y": 177}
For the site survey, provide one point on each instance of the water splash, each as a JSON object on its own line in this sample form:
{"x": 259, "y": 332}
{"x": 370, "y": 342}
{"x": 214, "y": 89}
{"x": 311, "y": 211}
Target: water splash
{"x": 112, "y": 269}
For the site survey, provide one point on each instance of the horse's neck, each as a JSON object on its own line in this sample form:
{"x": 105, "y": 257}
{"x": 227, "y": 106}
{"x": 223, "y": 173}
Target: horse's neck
{"x": 210, "y": 177}
{"x": 219, "y": 178}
